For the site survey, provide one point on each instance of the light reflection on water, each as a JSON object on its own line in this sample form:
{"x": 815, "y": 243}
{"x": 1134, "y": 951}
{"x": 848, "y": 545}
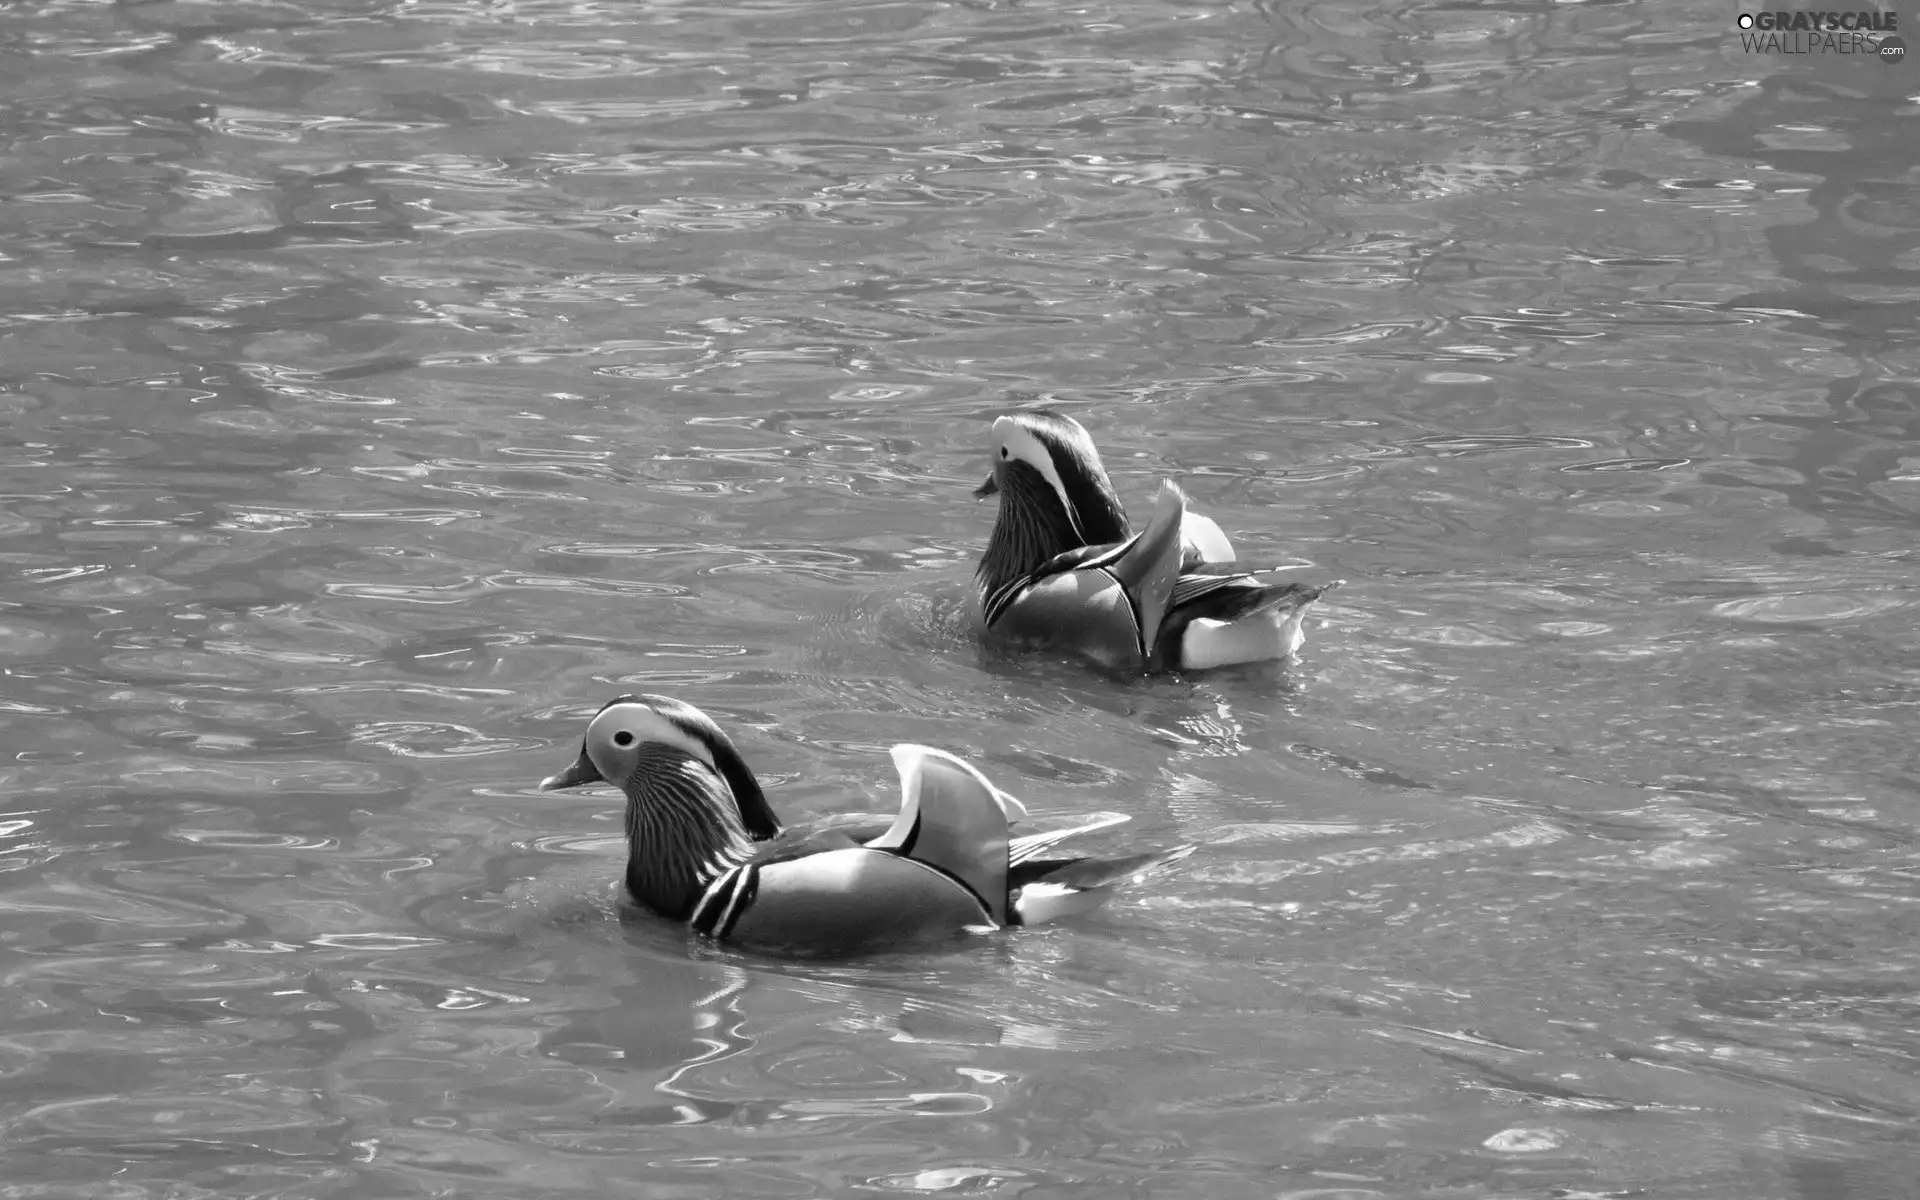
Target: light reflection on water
{"x": 383, "y": 385}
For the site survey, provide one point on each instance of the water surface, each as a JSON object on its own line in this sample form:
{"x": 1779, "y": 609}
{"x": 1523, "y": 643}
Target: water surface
{"x": 386, "y": 384}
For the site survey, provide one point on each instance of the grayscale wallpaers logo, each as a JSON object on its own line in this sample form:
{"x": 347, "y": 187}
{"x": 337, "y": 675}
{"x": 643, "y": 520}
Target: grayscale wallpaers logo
{"x": 1867, "y": 33}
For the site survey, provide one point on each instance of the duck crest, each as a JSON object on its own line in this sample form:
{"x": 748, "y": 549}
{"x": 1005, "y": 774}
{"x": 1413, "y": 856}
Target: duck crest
{"x": 683, "y": 831}
{"x": 1086, "y": 491}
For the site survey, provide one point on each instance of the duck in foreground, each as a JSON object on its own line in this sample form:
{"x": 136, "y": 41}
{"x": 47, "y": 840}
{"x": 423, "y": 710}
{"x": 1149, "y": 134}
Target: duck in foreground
{"x": 1063, "y": 568}
{"x": 705, "y": 849}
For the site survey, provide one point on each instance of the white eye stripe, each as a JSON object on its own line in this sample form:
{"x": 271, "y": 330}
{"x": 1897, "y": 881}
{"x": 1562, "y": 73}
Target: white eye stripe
{"x": 1020, "y": 443}
{"x": 646, "y": 725}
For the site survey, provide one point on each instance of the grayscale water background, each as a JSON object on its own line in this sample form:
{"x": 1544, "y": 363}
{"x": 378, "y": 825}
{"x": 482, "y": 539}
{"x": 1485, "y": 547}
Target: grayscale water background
{"x": 386, "y": 383}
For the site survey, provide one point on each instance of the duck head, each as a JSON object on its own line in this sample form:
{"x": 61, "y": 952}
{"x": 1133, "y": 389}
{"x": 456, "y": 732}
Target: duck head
{"x": 693, "y": 806}
{"x": 1054, "y": 494}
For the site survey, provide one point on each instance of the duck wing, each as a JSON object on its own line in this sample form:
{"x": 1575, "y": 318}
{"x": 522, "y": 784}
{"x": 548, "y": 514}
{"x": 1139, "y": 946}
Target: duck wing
{"x": 1203, "y": 548}
{"x": 830, "y": 887}
{"x": 998, "y": 601}
{"x": 837, "y": 832}
{"x": 953, "y": 820}
{"x": 1074, "y": 559}
{"x": 1148, "y": 567}
{"x": 840, "y": 831}
{"x": 1108, "y": 602}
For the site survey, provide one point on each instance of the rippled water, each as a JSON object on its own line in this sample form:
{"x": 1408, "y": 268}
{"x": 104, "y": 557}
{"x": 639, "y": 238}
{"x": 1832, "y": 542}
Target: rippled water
{"x": 386, "y": 384}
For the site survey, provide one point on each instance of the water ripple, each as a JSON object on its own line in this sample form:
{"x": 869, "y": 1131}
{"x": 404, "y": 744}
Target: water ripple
{"x": 386, "y": 383}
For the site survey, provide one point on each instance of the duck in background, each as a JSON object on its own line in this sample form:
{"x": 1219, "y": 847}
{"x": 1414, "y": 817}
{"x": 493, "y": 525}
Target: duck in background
{"x": 705, "y": 849}
{"x": 1063, "y": 569}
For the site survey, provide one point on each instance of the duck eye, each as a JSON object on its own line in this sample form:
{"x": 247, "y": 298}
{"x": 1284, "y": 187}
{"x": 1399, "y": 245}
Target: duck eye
{"x": 623, "y": 738}
{"x": 1005, "y": 453}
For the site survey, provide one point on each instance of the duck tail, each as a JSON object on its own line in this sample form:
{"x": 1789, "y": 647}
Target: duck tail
{"x": 1216, "y": 605}
{"x": 1231, "y": 597}
{"x": 1048, "y": 889}
{"x": 1030, "y": 845}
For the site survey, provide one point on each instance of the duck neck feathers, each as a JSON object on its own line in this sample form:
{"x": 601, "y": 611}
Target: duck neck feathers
{"x": 1034, "y": 525}
{"x": 683, "y": 831}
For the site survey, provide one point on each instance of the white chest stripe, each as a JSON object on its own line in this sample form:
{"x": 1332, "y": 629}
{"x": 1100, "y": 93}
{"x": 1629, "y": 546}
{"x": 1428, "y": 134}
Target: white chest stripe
{"x": 725, "y": 901}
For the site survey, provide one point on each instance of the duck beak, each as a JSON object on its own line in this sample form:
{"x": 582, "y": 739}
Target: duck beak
{"x": 582, "y": 771}
{"x": 989, "y": 488}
